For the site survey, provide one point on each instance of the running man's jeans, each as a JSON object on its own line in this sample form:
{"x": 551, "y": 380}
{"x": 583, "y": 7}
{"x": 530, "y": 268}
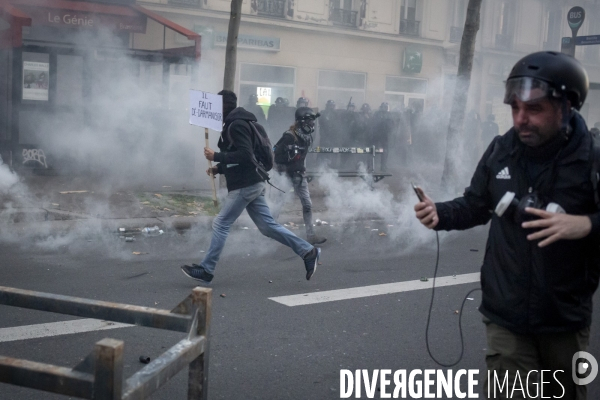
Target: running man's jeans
{"x": 252, "y": 199}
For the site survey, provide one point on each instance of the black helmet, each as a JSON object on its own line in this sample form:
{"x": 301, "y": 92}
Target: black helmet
{"x": 384, "y": 107}
{"x": 302, "y": 102}
{"x": 280, "y": 101}
{"x": 286, "y": 102}
{"x": 330, "y": 105}
{"x": 305, "y": 119}
{"x": 306, "y": 113}
{"x": 548, "y": 73}
{"x": 253, "y": 99}
{"x": 365, "y": 108}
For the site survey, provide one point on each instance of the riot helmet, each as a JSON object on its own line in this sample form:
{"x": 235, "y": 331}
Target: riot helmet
{"x": 286, "y": 102}
{"x": 384, "y": 107}
{"x": 548, "y": 74}
{"x": 279, "y": 101}
{"x": 365, "y": 108}
{"x": 302, "y": 102}
{"x": 305, "y": 119}
{"x": 253, "y": 99}
{"x": 330, "y": 105}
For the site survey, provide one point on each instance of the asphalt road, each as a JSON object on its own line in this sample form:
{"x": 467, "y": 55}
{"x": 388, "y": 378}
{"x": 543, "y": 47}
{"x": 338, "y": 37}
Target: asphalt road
{"x": 261, "y": 349}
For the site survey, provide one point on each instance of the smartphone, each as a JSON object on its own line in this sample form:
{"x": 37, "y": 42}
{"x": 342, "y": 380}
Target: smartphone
{"x": 417, "y": 192}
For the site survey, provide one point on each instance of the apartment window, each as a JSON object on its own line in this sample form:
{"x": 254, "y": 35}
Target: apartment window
{"x": 505, "y": 19}
{"x": 272, "y": 8}
{"x": 342, "y": 12}
{"x": 458, "y": 21}
{"x": 408, "y": 18}
{"x": 401, "y": 92}
{"x": 553, "y": 29}
{"x": 273, "y": 81}
{"x": 341, "y": 86}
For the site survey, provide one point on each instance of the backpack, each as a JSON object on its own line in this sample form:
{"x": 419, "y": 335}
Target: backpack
{"x": 262, "y": 157}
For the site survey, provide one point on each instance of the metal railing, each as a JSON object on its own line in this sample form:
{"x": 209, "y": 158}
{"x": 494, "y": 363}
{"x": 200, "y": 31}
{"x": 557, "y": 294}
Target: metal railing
{"x": 100, "y": 375}
{"x": 409, "y": 27}
{"x": 456, "y": 33}
{"x": 343, "y": 17}
{"x": 272, "y": 8}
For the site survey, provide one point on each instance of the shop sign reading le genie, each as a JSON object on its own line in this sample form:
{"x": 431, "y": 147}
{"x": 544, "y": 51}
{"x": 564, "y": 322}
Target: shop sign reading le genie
{"x": 85, "y": 20}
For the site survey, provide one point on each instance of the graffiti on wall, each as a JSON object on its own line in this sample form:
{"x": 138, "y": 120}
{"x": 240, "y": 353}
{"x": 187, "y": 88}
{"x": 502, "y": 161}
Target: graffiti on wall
{"x": 35, "y": 155}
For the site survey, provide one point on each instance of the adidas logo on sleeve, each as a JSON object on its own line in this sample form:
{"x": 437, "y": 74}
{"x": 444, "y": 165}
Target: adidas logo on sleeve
{"x": 504, "y": 174}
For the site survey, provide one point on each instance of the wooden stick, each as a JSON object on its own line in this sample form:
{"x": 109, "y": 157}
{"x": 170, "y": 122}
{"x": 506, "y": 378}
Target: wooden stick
{"x": 212, "y": 177}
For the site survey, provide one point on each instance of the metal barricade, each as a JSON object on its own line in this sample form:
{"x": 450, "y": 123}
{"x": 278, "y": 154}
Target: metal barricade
{"x": 100, "y": 375}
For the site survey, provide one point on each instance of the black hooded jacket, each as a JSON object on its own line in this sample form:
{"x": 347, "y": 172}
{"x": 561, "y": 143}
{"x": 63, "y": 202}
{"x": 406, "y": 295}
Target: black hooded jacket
{"x": 235, "y": 159}
{"x": 528, "y": 289}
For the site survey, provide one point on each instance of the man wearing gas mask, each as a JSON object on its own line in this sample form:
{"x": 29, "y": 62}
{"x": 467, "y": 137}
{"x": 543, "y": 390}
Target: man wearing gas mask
{"x": 290, "y": 156}
{"x": 541, "y": 265}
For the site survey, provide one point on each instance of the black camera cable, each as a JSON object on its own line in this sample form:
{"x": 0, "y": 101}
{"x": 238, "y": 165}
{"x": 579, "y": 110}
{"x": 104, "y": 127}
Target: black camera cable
{"x": 462, "y": 345}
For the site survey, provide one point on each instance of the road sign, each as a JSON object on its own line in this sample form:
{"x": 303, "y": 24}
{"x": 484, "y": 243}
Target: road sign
{"x": 575, "y": 18}
{"x": 206, "y": 110}
{"x": 587, "y": 40}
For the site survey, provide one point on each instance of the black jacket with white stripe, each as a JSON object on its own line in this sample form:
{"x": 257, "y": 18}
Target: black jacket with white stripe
{"x": 528, "y": 289}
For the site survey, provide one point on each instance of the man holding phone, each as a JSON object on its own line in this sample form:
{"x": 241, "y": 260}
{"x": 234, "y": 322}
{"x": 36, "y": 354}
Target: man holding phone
{"x": 541, "y": 268}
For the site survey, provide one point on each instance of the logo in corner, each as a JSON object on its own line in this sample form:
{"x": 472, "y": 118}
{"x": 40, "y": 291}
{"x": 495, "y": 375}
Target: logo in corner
{"x": 584, "y": 368}
{"x": 504, "y": 174}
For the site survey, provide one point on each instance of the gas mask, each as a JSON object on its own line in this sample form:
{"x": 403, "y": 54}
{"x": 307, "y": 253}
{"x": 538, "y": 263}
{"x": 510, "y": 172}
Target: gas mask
{"x": 511, "y": 207}
{"x": 307, "y": 126}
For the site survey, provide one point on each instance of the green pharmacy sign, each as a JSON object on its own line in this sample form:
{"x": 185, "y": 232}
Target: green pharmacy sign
{"x": 412, "y": 61}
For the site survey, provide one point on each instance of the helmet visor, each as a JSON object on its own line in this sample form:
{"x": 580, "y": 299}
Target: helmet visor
{"x": 526, "y": 89}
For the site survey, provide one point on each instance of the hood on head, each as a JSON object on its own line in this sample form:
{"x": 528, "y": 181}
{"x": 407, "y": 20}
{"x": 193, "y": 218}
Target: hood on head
{"x": 240, "y": 113}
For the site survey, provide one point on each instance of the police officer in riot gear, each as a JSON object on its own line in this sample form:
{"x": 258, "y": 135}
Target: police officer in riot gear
{"x": 541, "y": 267}
{"x": 329, "y": 128}
{"x": 302, "y": 102}
{"x": 383, "y": 126}
{"x": 290, "y": 155}
{"x": 279, "y": 118}
{"x": 363, "y": 122}
{"x": 256, "y": 109}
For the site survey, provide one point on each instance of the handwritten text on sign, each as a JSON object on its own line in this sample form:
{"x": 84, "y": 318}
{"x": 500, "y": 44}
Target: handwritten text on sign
{"x": 206, "y": 110}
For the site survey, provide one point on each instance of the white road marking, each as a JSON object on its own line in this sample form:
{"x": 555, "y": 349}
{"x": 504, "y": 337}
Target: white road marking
{"x": 56, "y": 328}
{"x": 373, "y": 290}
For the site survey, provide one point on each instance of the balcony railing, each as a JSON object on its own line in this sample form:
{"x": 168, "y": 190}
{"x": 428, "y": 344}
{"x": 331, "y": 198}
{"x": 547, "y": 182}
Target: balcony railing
{"x": 456, "y": 33}
{"x": 409, "y": 27}
{"x": 343, "y": 17}
{"x": 503, "y": 42}
{"x": 272, "y": 8}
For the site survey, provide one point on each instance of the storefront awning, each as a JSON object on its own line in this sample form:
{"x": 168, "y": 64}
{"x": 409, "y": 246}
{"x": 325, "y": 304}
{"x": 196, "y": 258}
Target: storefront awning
{"x": 82, "y": 15}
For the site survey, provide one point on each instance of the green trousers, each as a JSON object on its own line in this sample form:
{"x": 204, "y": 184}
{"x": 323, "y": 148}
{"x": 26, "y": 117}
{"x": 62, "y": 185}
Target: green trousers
{"x": 509, "y": 353}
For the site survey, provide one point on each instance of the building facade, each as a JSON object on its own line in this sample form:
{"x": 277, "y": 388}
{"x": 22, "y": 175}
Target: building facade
{"x": 404, "y": 52}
